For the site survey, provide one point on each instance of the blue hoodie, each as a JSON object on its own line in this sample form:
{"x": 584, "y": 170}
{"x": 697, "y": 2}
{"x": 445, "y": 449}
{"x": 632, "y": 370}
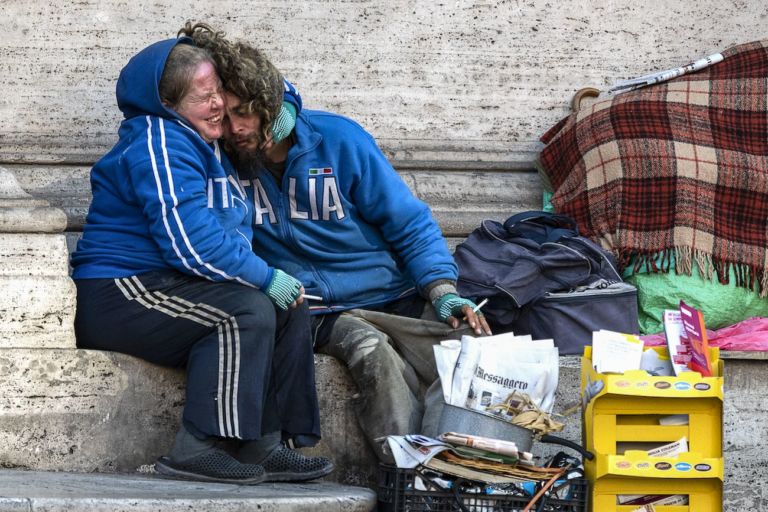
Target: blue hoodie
{"x": 343, "y": 222}
{"x": 163, "y": 198}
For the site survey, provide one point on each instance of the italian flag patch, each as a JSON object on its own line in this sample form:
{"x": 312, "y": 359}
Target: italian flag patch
{"x": 322, "y": 170}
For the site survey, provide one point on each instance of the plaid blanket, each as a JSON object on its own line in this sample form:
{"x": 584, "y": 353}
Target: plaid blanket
{"x": 673, "y": 172}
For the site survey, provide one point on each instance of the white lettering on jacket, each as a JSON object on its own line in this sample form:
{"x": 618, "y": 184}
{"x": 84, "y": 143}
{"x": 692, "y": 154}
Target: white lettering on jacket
{"x": 223, "y": 189}
{"x": 330, "y": 201}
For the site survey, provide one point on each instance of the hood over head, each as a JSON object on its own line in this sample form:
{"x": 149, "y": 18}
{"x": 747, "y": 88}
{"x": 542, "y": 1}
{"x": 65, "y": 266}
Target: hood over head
{"x": 138, "y": 85}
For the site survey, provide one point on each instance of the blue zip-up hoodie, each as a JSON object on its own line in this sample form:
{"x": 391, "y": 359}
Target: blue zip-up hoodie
{"x": 343, "y": 222}
{"x": 163, "y": 198}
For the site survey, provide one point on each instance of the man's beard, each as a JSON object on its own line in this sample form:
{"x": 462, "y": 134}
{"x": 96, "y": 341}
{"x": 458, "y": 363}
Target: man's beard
{"x": 247, "y": 162}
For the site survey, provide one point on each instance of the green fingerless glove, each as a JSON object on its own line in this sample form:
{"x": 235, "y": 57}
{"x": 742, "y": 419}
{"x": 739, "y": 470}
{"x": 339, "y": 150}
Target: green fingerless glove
{"x": 283, "y": 289}
{"x": 450, "y": 304}
{"x": 284, "y": 123}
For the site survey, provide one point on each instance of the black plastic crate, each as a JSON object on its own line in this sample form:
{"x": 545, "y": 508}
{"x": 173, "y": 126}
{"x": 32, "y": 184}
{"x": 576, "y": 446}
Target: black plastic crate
{"x": 397, "y": 493}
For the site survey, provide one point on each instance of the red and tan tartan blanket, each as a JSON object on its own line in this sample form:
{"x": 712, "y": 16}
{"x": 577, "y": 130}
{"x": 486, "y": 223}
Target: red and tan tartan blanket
{"x": 677, "y": 171}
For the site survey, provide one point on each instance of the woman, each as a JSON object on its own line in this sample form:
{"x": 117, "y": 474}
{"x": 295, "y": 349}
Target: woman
{"x": 165, "y": 272}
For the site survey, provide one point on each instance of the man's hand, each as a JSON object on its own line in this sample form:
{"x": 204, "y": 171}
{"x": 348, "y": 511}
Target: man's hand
{"x": 450, "y": 307}
{"x": 284, "y": 290}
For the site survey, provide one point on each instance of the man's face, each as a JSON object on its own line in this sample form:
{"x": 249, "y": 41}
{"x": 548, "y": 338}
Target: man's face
{"x": 242, "y": 131}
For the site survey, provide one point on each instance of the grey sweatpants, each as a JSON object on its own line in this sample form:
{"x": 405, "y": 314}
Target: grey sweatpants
{"x": 392, "y": 362}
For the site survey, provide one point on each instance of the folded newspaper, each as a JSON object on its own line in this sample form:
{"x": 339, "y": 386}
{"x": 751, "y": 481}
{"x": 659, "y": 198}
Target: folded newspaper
{"x": 479, "y": 373}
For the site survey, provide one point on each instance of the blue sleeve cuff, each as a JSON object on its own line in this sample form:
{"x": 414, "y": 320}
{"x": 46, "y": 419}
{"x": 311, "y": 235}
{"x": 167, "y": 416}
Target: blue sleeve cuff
{"x": 268, "y": 279}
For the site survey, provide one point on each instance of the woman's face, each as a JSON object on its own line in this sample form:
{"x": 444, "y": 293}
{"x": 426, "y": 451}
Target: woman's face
{"x": 203, "y": 105}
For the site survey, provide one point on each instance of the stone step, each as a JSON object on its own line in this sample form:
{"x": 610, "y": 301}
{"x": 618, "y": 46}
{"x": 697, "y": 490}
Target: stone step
{"x": 32, "y": 491}
{"x": 88, "y": 410}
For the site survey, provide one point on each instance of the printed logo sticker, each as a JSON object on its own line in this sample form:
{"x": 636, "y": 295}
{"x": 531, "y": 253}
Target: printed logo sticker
{"x": 683, "y": 466}
{"x": 623, "y": 464}
{"x": 663, "y": 385}
{"x": 702, "y": 467}
{"x": 642, "y": 384}
{"x": 702, "y": 386}
{"x": 319, "y": 171}
{"x": 623, "y": 383}
{"x": 663, "y": 466}
{"x": 682, "y": 386}
{"x": 643, "y": 465}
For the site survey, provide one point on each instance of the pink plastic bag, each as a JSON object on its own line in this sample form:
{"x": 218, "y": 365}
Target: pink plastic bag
{"x": 748, "y": 335}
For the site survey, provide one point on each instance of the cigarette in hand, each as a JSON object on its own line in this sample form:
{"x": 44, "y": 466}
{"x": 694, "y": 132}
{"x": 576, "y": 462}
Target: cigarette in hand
{"x": 312, "y": 297}
{"x": 477, "y": 308}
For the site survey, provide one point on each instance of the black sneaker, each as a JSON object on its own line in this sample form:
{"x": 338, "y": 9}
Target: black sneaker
{"x": 286, "y": 465}
{"x": 212, "y": 466}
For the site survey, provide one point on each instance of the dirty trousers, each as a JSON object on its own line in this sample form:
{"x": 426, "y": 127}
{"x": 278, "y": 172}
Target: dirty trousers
{"x": 391, "y": 360}
{"x": 250, "y": 369}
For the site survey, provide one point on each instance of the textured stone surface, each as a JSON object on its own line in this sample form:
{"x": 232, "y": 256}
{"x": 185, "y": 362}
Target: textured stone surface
{"x": 459, "y": 198}
{"x": 85, "y": 410}
{"x": 33, "y": 255}
{"x": 466, "y": 80}
{"x": 63, "y": 492}
{"x": 37, "y": 311}
{"x": 745, "y": 430}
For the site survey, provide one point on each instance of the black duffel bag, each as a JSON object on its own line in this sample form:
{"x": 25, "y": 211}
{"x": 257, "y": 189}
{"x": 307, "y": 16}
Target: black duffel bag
{"x": 543, "y": 279}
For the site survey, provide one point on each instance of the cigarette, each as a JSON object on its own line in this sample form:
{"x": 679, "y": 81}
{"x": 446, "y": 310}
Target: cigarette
{"x": 477, "y": 308}
{"x": 312, "y": 297}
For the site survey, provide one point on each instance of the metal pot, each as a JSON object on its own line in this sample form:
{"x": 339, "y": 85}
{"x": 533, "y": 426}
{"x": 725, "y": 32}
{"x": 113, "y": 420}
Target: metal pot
{"x": 468, "y": 421}
{"x": 478, "y": 423}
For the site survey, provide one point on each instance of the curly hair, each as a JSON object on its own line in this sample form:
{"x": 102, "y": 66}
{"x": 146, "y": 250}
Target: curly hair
{"x": 245, "y": 71}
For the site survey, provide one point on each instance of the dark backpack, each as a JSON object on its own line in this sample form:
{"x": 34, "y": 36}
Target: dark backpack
{"x": 541, "y": 278}
{"x": 530, "y": 254}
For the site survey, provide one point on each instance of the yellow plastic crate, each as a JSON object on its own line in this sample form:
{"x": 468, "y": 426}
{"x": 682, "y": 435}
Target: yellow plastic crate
{"x": 629, "y": 406}
{"x": 704, "y": 494}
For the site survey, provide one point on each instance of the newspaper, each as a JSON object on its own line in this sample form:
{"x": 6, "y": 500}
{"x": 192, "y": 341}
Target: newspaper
{"x": 482, "y": 372}
{"x": 411, "y": 451}
{"x": 512, "y": 365}
{"x": 485, "y": 443}
{"x": 663, "y": 76}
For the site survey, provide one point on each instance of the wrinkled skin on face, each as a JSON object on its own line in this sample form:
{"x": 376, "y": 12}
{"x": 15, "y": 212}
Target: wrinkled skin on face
{"x": 203, "y": 105}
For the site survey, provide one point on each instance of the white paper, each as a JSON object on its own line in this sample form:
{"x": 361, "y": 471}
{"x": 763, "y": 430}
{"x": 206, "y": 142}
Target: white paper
{"x": 674, "y": 331}
{"x": 656, "y": 365}
{"x": 465, "y": 368}
{"x": 614, "y": 352}
{"x": 446, "y": 355}
{"x": 411, "y": 454}
{"x": 671, "y": 449}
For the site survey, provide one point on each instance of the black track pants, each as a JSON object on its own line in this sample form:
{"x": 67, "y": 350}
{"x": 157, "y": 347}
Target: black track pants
{"x": 250, "y": 369}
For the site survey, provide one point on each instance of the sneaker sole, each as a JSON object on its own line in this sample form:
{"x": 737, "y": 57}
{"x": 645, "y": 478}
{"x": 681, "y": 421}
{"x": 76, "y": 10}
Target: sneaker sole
{"x": 164, "y": 467}
{"x": 290, "y": 476}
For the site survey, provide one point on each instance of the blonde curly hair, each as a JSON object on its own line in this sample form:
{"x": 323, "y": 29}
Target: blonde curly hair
{"x": 245, "y": 71}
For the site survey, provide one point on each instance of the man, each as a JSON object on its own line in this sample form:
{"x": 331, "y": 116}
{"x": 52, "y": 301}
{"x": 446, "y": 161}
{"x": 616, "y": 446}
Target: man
{"x": 331, "y": 211}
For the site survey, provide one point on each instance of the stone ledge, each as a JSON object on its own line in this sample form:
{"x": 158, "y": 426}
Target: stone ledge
{"x": 85, "y": 410}
{"x": 60, "y": 492}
